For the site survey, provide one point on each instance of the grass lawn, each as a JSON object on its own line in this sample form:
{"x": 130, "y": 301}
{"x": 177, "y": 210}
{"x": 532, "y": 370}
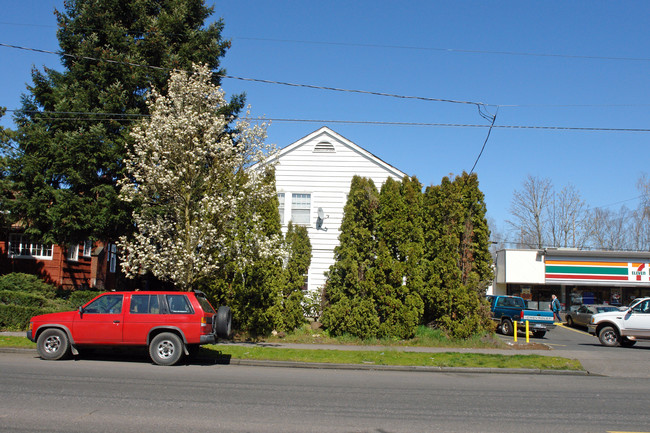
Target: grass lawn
{"x": 368, "y": 357}
{"x": 397, "y": 357}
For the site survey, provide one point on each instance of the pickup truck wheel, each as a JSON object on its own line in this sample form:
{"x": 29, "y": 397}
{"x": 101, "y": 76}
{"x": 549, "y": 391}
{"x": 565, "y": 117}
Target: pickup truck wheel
{"x": 166, "y": 349}
{"x": 223, "y": 322}
{"x": 626, "y": 342}
{"x": 506, "y": 327}
{"x": 608, "y": 336}
{"x": 53, "y": 344}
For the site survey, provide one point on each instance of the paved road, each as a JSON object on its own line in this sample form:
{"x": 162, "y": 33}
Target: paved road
{"x": 135, "y": 396}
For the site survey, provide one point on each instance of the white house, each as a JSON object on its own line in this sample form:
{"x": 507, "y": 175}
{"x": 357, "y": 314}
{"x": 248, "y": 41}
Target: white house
{"x": 313, "y": 177}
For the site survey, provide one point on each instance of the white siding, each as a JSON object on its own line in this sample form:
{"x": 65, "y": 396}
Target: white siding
{"x": 326, "y": 176}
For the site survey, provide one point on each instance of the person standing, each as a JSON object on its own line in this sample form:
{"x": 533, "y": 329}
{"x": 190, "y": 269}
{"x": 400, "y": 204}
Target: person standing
{"x": 556, "y": 307}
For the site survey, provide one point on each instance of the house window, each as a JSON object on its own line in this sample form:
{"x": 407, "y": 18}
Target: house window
{"x": 300, "y": 207}
{"x": 88, "y": 248}
{"x": 112, "y": 257}
{"x": 281, "y": 206}
{"x": 73, "y": 252}
{"x": 21, "y": 246}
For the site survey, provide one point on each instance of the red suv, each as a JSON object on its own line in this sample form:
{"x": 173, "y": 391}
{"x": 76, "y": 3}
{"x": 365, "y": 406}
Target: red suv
{"x": 170, "y": 324}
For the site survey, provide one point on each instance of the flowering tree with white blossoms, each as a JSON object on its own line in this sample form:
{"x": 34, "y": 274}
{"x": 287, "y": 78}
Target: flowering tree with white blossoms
{"x": 188, "y": 177}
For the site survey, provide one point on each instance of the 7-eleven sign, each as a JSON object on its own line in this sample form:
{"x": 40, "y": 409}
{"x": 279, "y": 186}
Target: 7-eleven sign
{"x": 638, "y": 272}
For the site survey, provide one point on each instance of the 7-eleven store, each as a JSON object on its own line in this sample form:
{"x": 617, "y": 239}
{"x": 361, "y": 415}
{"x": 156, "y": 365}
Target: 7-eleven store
{"x": 576, "y": 277}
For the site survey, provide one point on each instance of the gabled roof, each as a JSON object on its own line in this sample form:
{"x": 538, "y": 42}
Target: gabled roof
{"x": 325, "y": 131}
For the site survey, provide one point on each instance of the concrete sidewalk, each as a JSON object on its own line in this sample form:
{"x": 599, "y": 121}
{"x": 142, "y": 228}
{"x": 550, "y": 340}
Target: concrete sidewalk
{"x": 616, "y": 362}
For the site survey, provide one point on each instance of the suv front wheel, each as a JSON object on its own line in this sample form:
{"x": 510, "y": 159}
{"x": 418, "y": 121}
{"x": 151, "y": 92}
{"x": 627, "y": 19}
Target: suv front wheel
{"x": 166, "y": 349}
{"x": 53, "y": 344}
{"x": 608, "y": 336}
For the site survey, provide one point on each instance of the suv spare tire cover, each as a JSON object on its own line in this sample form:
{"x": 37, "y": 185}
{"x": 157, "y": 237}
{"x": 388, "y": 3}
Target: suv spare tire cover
{"x": 222, "y": 322}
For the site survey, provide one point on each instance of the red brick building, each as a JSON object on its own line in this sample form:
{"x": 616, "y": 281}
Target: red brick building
{"x": 87, "y": 265}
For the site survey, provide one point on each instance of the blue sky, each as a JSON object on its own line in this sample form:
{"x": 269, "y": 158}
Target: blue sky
{"x": 574, "y": 64}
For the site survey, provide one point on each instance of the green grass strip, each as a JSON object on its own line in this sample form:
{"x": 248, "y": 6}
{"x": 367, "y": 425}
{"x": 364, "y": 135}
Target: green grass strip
{"x": 21, "y": 342}
{"x": 401, "y": 358}
{"x": 369, "y": 357}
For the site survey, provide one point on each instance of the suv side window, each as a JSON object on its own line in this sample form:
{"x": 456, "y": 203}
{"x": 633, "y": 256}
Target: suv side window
{"x": 207, "y": 307}
{"x": 107, "y": 304}
{"x": 144, "y": 304}
{"x": 178, "y": 304}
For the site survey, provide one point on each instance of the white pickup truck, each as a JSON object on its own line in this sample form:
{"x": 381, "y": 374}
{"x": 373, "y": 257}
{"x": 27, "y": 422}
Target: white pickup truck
{"x": 623, "y": 327}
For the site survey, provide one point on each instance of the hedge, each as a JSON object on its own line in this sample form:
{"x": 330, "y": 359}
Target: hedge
{"x": 16, "y": 317}
{"x": 26, "y": 283}
{"x": 23, "y": 296}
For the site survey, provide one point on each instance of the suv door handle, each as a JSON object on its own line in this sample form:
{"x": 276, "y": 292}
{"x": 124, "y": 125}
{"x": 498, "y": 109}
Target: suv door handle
{"x": 116, "y": 321}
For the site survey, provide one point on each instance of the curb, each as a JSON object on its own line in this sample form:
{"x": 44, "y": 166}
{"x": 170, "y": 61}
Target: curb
{"x": 405, "y": 368}
{"x": 366, "y": 367}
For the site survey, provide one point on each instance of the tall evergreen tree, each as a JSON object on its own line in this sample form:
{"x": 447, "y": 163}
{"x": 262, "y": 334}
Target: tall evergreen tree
{"x": 453, "y": 237}
{"x": 349, "y": 305}
{"x": 6, "y": 188}
{"x": 298, "y": 250}
{"x": 397, "y": 276}
{"x": 73, "y": 128}
{"x": 476, "y": 260}
{"x": 250, "y": 280}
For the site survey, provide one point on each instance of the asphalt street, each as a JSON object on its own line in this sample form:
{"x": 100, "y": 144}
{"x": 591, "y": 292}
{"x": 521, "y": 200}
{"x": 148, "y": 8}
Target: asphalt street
{"x": 132, "y": 395}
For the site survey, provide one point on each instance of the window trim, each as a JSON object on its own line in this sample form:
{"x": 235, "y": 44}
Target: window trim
{"x": 26, "y": 245}
{"x": 87, "y": 249}
{"x": 282, "y": 206}
{"x": 306, "y": 208}
{"x": 112, "y": 258}
{"x": 73, "y": 253}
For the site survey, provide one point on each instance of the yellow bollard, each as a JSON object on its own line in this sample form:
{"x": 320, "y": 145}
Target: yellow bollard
{"x": 527, "y": 331}
{"x": 514, "y": 323}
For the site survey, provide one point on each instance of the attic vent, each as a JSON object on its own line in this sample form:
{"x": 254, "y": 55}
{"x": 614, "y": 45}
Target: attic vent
{"x": 324, "y": 147}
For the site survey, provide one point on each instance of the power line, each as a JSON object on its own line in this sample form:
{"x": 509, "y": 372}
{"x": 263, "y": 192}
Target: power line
{"x": 428, "y": 99}
{"x": 309, "y": 86}
{"x": 124, "y": 117}
{"x": 449, "y": 50}
{"x": 494, "y": 118}
{"x": 389, "y": 46}
{"x": 461, "y": 125}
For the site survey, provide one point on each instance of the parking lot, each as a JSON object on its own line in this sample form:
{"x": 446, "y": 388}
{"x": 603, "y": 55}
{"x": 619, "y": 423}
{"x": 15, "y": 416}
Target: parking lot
{"x": 576, "y": 343}
{"x": 563, "y": 337}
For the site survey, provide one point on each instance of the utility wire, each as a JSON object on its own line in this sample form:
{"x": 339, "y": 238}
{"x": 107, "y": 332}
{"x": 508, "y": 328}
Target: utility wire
{"x": 450, "y": 50}
{"x": 389, "y": 46}
{"x": 494, "y": 118}
{"x": 309, "y": 86}
{"x": 124, "y": 117}
{"x": 478, "y": 104}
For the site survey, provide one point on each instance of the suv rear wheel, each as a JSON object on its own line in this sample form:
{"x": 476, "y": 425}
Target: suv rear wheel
{"x": 626, "y": 342}
{"x": 166, "y": 349}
